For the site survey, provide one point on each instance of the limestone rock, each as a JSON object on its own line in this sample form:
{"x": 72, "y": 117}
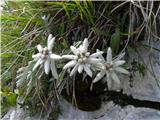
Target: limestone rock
{"x": 145, "y": 87}
{"x": 108, "y": 111}
{"x": 21, "y": 114}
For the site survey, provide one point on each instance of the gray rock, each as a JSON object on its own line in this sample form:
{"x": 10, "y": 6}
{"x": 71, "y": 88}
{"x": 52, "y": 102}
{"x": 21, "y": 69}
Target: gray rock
{"x": 108, "y": 111}
{"x": 143, "y": 114}
{"x": 21, "y": 114}
{"x": 145, "y": 87}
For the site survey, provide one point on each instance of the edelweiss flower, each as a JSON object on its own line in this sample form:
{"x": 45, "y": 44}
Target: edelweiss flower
{"x": 109, "y": 67}
{"x": 82, "y": 60}
{"x": 45, "y": 55}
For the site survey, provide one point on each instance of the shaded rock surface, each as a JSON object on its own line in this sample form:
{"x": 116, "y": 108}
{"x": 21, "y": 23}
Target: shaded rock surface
{"x": 145, "y": 87}
{"x": 108, "y": 111}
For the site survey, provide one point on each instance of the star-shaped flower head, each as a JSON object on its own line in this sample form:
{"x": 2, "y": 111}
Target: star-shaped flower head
{"x": 81, "y": 59}
{"x": 46, "y": 57}
{"x": 109, "y": 69}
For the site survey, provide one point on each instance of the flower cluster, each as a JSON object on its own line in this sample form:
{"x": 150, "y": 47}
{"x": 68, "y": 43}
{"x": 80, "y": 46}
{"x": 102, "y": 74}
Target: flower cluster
{"x": 109, "y": 68}
{"x": 81, "y": 60}
{"x": 46, "y": 56}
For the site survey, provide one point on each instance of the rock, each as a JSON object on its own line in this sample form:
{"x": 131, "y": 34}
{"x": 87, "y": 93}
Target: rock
{"x": 143, "y": 114}
{"x": 21, "y": 114}
{"x": 16, "y": 114}
{"x": 108, "y": 111}
{"x": 145, "y": 87}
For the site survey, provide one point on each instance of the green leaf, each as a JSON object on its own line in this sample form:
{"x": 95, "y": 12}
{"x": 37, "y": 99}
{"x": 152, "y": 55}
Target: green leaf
{"x": 30, "y": 86}
{"x": 11, "y": 99}
{"x": 115, "y": 41}
{"x": 7, "y": 54}
{"x": 130, "y": 50}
